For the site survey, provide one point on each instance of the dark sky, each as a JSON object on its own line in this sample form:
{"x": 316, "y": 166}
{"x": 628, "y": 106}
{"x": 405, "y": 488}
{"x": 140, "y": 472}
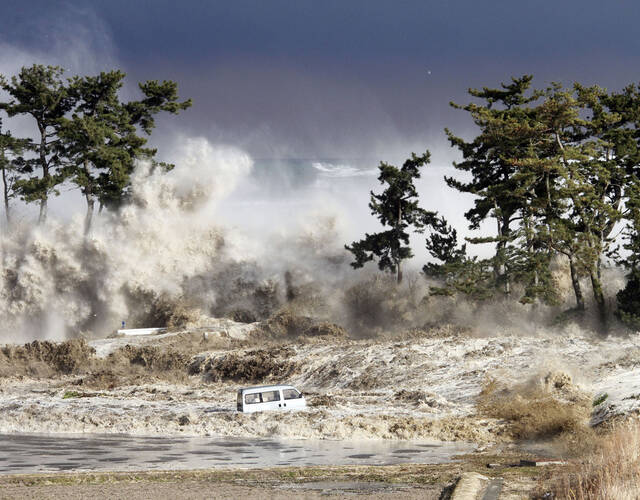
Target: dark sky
{"x": 327, "y": 79}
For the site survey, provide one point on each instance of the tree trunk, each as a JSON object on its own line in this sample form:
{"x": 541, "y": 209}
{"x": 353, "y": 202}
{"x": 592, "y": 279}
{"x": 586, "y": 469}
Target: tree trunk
{"x": 575, "y": 281}
{"x": 89, "y": 217}
{"x": 527, "y": 224}
{"x": 503, "y": 232}
{"x": 6, "y": 195}
{"x": 88, "y": 193}
{"x": 598, "y": 295}
{"x": 399, "y": 261}
{"x": 500, "y": 255}
{"x": 505, "y": 278}
{"x": 42, "y": 217}
{"x": 45, "y": 175}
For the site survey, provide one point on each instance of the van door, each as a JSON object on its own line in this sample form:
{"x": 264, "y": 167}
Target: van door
{"x": 293, "y": 399}
{"x": 252, "y": 402}
{"x": 271, "y": 400}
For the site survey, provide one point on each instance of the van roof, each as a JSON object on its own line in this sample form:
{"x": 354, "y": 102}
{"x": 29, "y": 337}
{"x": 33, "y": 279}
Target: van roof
{"x": 259, "y": 388}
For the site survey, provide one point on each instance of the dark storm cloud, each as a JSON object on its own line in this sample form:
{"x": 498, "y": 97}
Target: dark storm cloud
{"x": 343, "y": 78}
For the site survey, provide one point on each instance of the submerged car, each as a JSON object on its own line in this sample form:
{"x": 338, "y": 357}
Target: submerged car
{"x": 270, "y": 397}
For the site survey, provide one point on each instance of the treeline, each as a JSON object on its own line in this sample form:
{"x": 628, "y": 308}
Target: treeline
{"x": 84, "y": 135}
{"x": 557, "y": 170}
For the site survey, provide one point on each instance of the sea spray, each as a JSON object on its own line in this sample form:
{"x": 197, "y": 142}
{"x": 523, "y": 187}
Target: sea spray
{"x": 56, "y": 283}
{"x": 167, "y": 257}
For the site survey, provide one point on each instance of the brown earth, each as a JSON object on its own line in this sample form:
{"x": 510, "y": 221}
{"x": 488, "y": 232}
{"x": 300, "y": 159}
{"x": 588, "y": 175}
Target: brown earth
{"x": 410, "y": 481}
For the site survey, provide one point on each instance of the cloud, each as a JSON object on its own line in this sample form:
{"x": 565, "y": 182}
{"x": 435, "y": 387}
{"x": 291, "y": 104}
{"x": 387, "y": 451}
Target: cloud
{"x": 75, "y": 39}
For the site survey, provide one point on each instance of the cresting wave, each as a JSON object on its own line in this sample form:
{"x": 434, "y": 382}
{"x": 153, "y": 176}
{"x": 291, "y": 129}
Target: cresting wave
{"x": 164, "y": 244}
{"x": 333, "y": 170}
{"x": 167, "y": 258}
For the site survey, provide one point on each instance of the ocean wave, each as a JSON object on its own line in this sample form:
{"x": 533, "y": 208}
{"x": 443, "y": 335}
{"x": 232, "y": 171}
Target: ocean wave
{"x": 341, "y": 170}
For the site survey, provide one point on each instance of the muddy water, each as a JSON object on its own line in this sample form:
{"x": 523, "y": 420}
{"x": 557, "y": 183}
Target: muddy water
{"x": 22, "y": 453}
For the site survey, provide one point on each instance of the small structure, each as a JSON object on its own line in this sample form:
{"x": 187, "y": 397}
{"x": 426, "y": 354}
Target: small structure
{"x": 140, "y": 331}
{"x": 270, "y": 397}
{"x": 541, "y": 463}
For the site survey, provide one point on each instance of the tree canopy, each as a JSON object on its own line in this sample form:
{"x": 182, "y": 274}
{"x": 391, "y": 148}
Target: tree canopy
{"x": 86, "y": 134}
{"x": 557, "y": 169}
{"x": 396, "y": 208}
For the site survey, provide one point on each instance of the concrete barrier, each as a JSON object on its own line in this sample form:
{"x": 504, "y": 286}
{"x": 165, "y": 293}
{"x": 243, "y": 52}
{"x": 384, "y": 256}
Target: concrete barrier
{"x": 140, "y": 331}
{"x": 469, "y": 487}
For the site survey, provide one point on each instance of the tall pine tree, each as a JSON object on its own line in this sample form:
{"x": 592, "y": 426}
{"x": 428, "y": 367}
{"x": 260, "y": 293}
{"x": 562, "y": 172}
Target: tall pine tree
{"x": 396, "y": 208}
{"x": 40, "y": 92}
{"x": 488, "y": 159}
{"x": 12, "y": 165}
{"x": 101, "y": 140}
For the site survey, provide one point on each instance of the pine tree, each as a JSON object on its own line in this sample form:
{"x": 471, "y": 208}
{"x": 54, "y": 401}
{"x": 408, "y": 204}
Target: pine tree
{"x": 100, "y": 140}
{"x": 12, "y": 164}
{"x": 554, "y": 166}
{"x": 455, "y": 271}
{"x": 628, "y": 299}
{"x": 595, "y": 180}
{"x": 624, "y": 134}
{"x": 577, "y": 177}
{"x": 86, "y": 133}
{"x": 40, "y": 92}
{"x": 397, "y": 208}
{"x": 502, "y": 120}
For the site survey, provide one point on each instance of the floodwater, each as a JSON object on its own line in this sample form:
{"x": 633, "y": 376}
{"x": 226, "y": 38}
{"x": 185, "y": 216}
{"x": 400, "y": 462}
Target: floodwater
{"x": 31, "y": 453}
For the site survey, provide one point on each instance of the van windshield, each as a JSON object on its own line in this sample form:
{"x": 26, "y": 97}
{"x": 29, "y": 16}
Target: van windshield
{"x": 291, "y": 394}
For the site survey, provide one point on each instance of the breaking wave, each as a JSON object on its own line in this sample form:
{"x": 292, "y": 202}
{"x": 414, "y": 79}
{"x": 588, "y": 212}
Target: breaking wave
{"x": 164, "y": 243}
{"x": 339, "y": 170}
{"x": 168, "y": 257}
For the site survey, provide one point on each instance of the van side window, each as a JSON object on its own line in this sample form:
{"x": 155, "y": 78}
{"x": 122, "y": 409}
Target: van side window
{"x": 270, "y": 396}
{"x": 252, "y": 398}
{"x": 290, "y": 394}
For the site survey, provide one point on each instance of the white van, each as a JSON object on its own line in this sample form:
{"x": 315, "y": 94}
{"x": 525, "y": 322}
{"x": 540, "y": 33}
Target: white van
{"x": 270, "y": 397}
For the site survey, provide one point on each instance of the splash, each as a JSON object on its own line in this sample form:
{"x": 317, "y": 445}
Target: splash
{"x": 170, "y": 258}
{"x": 57, "y": 283}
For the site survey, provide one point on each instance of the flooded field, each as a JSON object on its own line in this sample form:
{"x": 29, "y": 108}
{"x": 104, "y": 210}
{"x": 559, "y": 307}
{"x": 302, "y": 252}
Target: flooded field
{"x": 33, "y": 453}
{"x": 429, "y": 387}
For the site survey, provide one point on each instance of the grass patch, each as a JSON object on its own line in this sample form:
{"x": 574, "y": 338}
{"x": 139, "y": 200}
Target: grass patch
{"x": 535, "y": 411}
{"x": 431, "y": 475}
{"x": 408, "y": 473}
{"x": 600, "y": 400}
{"x": 78, "y": 394}
{"x": 611, "y": 471}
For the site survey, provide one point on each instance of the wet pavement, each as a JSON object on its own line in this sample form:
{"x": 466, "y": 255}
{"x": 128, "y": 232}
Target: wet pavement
{"x": 31, "y": 453}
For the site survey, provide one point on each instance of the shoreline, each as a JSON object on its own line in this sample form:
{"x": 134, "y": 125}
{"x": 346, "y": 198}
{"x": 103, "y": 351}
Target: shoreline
{"x": 366, "y": 481}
